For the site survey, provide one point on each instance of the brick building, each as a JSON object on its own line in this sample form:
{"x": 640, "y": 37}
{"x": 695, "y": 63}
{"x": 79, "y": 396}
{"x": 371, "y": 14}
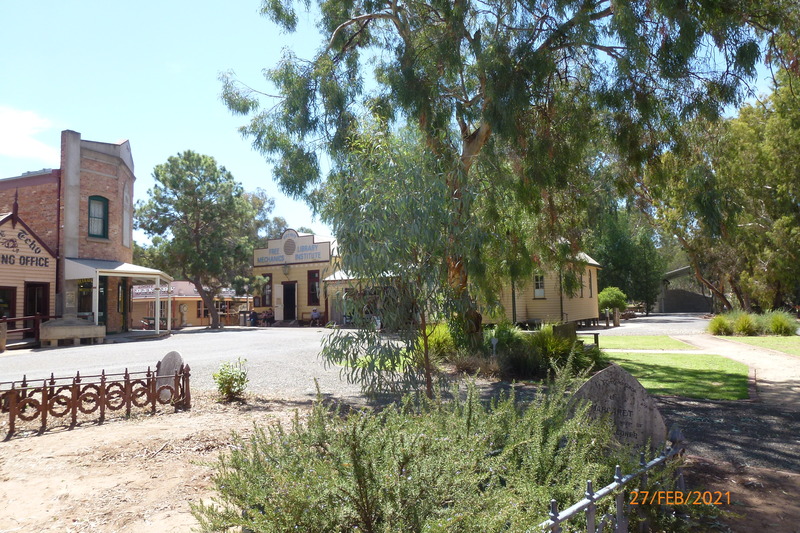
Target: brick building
{"x": 83, "y": 213}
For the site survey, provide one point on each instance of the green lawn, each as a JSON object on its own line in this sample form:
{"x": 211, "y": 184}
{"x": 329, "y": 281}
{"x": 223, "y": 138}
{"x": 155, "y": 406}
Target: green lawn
{"x": 644, "y": 342}
{"x": 711, "y": 377}
{"x": 790, "y": 345}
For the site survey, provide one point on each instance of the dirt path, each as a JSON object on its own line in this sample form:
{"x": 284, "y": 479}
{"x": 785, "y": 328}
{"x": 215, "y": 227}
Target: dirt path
{"x": 124, "y": 476}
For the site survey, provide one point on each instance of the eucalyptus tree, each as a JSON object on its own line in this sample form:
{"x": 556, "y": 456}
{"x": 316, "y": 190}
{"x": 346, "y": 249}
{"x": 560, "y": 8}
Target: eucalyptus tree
{"x": 203, "y": 220}
{"x": 392, "y": 217}
{"x": 468, "y": 74}
{"x": 729, "y": 193}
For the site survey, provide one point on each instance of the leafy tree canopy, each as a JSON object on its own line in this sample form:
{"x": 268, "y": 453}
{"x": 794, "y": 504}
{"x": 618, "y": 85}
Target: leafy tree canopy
{"x": 202, "y": 221}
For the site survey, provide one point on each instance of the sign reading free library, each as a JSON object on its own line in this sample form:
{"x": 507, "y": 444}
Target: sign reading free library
{"x": 291, "y": 249}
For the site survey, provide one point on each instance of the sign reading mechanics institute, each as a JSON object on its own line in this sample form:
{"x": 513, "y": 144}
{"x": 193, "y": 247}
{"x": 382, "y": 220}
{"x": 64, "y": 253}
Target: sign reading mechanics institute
{"x": 292, "y": 248}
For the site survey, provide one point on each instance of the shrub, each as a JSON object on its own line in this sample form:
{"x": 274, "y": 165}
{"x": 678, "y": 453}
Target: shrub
{"x": 612, "y": 298}
{"x": 231, "y": 379}
{"x": 476, "y": 364}
{"x": 745, "y": 324}
{"x": 459, "y": 465}
{"x": 720, "y": 325}
{"x": 440, "y": 342}
{"x": 780, "y": 323}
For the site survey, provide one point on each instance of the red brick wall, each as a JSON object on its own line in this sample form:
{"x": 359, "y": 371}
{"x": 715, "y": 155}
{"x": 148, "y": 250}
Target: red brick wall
{"x": 108, "y": 177}
{"x": 38, "y": 204}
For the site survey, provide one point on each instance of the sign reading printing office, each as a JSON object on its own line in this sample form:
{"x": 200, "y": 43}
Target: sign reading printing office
{"x": 20, "y": 248}
{"x": 292, "y": 248}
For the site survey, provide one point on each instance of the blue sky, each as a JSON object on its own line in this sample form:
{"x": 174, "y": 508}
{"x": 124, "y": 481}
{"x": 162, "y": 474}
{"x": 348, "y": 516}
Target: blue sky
{"x": 143, "y": 71}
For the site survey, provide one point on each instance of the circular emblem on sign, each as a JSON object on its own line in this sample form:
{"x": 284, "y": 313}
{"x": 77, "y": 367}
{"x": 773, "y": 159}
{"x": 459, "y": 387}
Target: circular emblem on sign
{"x": 289, "y": 247}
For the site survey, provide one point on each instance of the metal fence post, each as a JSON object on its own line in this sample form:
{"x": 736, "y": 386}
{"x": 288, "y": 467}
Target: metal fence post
{"x": 75, "y": 398}
{"x": 127, "y": 394}
{"x": 151, "y": 391}
{"x": 12, "y": 409}
{"x": 187, "y": 392}
{"x": 591, "y": 511}
{"x": 622, "y": 524}
{"x": 43, "y": 405}
{"x": 556, "y": 527}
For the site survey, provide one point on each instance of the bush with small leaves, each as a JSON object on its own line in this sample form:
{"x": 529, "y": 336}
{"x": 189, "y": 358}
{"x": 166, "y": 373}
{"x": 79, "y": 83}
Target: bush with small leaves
{"x": 612, "y": 298}
{"x": 423, "y": 465}
{"x": 231, "y": 379}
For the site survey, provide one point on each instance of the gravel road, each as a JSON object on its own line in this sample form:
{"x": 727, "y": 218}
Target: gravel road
{"x": 282, "y": 363}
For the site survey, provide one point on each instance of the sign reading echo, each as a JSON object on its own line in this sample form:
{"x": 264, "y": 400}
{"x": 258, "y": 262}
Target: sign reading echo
{"x": 292, "y": 249}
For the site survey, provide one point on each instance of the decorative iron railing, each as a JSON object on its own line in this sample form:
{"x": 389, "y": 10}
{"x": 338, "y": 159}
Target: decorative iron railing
{"x": 619, "y": 520}
{"x": 103, "y": 393}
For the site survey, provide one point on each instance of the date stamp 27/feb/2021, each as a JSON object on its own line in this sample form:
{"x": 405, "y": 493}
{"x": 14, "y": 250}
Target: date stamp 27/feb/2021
{"x": 677, "y": 497}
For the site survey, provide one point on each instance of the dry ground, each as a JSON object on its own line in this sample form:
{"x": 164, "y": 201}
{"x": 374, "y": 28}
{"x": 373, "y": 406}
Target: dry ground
{"x": 141, "y": 474}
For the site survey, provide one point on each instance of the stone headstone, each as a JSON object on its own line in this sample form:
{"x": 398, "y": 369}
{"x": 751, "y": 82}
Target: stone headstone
{"x": 170, "y": 364}
{"x": 616, "y": 393}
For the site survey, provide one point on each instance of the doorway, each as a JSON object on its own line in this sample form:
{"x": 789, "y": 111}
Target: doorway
{"x": 290, "y": 300}
{"x": 8, "y": 304}
{"x": 37, "y": 302}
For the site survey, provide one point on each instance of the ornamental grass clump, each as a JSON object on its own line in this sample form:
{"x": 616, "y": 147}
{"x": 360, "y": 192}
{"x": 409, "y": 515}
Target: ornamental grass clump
{"x": 720, "y": 325}
{"x": 420, "y": 465}
{"x": 780, "y": 323}
{"x": 744, "y": 324}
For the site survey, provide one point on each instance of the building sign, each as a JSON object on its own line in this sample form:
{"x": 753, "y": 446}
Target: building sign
{"x": 149, "y": 291}
{"x": 291, "y": 249}
{"x": 20, "y": 248}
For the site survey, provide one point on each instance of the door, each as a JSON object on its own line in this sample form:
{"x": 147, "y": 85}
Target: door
{"x": 290, "y": 300}
{"x": 8, "y": 304}
{"x": 37, "y": 302}
{"x": 278, "y": 303}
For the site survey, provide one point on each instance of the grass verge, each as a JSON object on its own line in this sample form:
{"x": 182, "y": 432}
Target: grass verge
{"x": 790, "y": 345}
{"x": 643, "y": 342}
{"x": 708, "y": 377}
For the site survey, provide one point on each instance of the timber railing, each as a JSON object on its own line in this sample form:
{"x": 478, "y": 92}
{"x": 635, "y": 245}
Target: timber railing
{"x": 618, "y": 521}
{"x": 71, "y": 397}
{"x": 30, "y": 324}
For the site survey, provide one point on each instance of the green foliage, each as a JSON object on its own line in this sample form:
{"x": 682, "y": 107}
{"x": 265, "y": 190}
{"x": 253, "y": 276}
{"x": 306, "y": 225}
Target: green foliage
{"x": 517, "y": 355}
{"x": 748, "y": 324}
{"x": 532, "y": 355}
{"x": 745, "y": 324}
{"x": 393, "y": 219}
{"x": 612, "y": 298}
{"x": 728, "y": 192}
{"x": 624, "y": 243}
{"x": 231, "y": 379}
{"x": 458, "y": 465}
{"x": 720, "y": 325}
{"x": 204, "y": 221}
{"x": 440, "y": 342}
{"x": 780, "y": 323}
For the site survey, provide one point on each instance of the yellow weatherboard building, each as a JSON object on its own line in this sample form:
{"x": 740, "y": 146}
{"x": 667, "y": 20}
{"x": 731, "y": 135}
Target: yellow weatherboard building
{"x": 299, "y": 275}
{"x": 292, "y": 269}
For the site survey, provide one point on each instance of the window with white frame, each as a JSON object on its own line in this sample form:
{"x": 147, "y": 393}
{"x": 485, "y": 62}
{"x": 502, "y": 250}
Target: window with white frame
{"x": 538, "y": 286}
